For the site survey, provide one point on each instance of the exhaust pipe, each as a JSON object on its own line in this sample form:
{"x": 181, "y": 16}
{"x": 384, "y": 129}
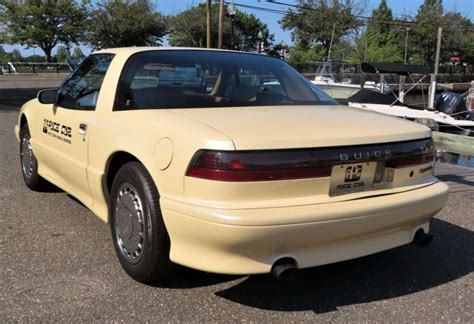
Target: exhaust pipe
{"x": 284, "y": 269}
{"x": 421, "y": 238}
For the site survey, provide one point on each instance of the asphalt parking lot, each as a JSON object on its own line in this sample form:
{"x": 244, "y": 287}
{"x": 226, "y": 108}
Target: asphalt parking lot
{"x": 58, "y": 264}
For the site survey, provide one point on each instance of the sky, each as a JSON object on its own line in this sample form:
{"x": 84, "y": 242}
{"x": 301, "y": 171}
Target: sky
{"x": 399, "y": 7}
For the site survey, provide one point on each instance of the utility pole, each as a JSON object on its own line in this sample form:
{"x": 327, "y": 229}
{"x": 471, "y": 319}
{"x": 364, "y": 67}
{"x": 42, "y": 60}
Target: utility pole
{"x": 221, "y": 27}
{"x": 401, "y": 83}
{"x": 438, "y": 50}
{"x": 406, "y": 44}
{"x": 432, "y": 91}
{"x": 209, "y": 21}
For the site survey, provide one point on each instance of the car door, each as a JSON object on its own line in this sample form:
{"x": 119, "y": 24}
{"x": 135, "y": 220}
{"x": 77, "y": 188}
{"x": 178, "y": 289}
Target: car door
{"x": 63, "y": 127}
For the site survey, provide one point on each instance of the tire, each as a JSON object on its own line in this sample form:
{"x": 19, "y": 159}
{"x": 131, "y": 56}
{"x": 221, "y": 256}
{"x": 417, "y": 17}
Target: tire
{"x": 29, "y": 163}
{"x": 139, "y": 234}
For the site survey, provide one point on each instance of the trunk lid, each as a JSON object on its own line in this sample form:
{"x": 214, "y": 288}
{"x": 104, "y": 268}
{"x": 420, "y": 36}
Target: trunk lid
{"x": 279, "y": 127}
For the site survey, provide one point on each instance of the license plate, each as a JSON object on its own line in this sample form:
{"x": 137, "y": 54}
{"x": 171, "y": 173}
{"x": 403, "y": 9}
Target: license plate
{"x": 350, "y": 178}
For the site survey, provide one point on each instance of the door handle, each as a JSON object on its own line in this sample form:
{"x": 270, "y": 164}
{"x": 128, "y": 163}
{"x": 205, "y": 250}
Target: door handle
{"x": 82, "y": 128}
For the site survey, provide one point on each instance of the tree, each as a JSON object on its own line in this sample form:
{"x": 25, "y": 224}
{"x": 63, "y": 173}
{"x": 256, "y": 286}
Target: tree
{"x": 42, "y": 23}
{"x": 301, "y": 58}
{"x": 2, "y": 54}
{"x": 61, "y": 54}
{"x": 379, "y": 24}
{"x": 16, "y": 56}
{"x": 117, "y": 23}
{"x": 189, "y": 29}
{"x": 246, "y": 28}
{"x": 459, "y": 33}
{"x": 314, "y": 21}
{"x": 77, "y": 53}
{"x": 34, "y": 58}
{"x": 428, "y": 18}
{"x": 380, "y": 42}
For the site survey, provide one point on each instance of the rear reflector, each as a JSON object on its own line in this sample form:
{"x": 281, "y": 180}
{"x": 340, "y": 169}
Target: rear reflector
{"x": 253, "y": 166}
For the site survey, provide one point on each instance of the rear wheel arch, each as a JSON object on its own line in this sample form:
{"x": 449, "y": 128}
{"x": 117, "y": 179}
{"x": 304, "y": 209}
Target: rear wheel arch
{"x": 114, "y": 163}
{"x": 23, "y": 121}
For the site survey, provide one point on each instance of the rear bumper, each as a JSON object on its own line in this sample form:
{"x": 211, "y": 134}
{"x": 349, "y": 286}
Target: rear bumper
{"x": 219, "y": 241}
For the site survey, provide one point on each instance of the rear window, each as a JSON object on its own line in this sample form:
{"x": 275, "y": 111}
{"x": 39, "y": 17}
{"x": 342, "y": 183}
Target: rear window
{"x": 201, "y": 79}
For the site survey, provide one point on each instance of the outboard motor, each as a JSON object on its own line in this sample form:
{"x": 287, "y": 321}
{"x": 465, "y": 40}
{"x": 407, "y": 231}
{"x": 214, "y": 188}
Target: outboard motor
{"x": 451, "y": 103}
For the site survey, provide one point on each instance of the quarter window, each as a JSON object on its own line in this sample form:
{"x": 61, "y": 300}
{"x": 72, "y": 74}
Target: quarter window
{"x": 82, "y": 89}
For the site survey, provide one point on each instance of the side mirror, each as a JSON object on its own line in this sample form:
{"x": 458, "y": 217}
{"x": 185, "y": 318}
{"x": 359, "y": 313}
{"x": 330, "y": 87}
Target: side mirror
{"x": 48, "y": 96}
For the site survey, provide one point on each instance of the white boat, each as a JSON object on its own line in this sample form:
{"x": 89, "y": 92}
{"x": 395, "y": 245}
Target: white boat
{"x": 325, "y": 79}
{"x": 450, "y": 113}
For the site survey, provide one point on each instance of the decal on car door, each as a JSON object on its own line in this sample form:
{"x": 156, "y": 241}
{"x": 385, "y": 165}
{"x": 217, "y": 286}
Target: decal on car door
{"x": 56, "y": 130}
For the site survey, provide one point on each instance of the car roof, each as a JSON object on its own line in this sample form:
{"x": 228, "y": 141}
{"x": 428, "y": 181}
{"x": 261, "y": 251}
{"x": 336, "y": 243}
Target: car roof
{"x": 132, "y": 50}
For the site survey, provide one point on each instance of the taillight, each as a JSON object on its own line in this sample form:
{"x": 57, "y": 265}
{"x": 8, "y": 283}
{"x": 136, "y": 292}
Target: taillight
{"x": 267, "y": 165}
{"x": 255, "y": 166}
{"x": 414, "y": 159}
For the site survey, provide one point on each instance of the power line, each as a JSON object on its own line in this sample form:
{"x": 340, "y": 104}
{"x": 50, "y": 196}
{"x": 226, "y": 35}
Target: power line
{"x": 398, "y": 23}
{"x": 394, "y": 22}
{"x": 355, "y": 16}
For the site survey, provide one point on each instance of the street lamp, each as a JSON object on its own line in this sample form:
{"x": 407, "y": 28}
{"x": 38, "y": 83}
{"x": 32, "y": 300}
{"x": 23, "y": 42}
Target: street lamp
{"x": 260, "y": 38}
{"x": 232, "y": 11}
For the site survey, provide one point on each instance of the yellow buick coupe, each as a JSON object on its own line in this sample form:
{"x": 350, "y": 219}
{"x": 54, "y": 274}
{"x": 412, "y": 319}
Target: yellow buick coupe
{"x": 227, "y": 162}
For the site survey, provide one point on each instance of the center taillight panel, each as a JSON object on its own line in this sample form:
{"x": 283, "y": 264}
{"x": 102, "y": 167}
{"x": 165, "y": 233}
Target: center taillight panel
{"x": 268, "y": 165}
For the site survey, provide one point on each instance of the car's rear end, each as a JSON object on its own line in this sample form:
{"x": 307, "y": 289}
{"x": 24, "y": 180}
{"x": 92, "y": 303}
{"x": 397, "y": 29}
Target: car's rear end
{"x": 307, "y": 181}
{"x": 247, "y": 209}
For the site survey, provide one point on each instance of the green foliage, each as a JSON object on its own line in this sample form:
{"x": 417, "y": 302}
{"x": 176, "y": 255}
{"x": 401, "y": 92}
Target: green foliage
{"x": 33, "y": 58}
{"x": 5, "y": 56}
{"x": 189, "y": 29}
{"x": 116, "y": 23}
{"x": 457, "y": 36}
{"x": 13, "y": 56}
{"x": 61, "y": 55}
{"x": 390, "y": 52}
{"x": 378, "y": 28}
{"x": 247, "y": 27}
{"x": 314, "y": 21}
{"x": 380, "y": 42}
{"x": 298, "y": 56}
{"x": 77, "y": 53}
{"x": 457, "y": 39}
{"x": 42, "y": 23}
{"x": 16, "y": 56}
{"x": 428, "y": 18}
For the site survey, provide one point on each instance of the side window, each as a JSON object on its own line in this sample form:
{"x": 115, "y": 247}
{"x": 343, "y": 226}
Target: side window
{"x": 149, "y": 82}
{"x": 82, "y": 89}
